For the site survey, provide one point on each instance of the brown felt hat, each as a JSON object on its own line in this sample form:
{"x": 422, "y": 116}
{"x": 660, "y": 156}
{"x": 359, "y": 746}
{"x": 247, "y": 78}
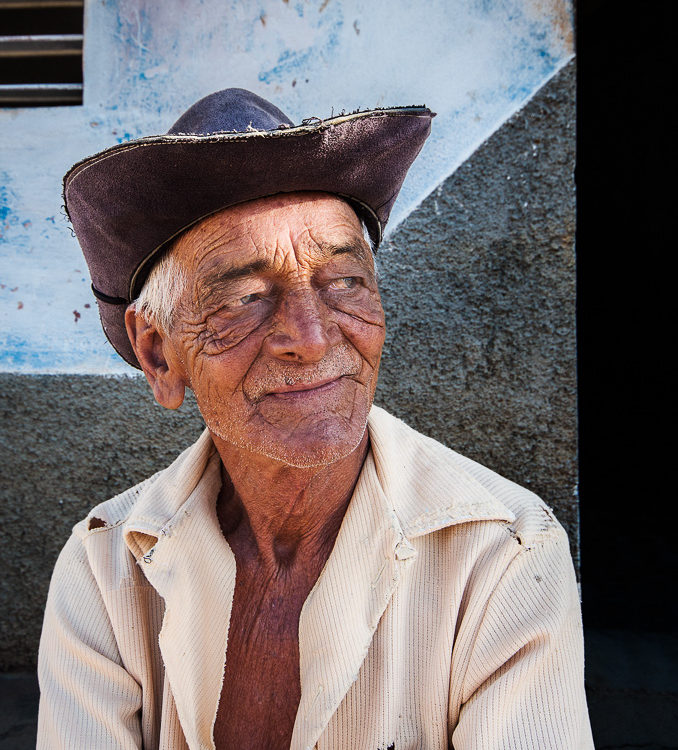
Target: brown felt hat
{"x": 128, "y": 202}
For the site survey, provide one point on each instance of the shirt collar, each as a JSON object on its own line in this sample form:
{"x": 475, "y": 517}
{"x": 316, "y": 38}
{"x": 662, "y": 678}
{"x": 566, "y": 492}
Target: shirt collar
{"x": 162, "y": 498}
{"x": 426, "y": 483}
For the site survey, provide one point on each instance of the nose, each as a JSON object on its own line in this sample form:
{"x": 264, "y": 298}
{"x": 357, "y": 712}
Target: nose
{"x": 302, "y": 331}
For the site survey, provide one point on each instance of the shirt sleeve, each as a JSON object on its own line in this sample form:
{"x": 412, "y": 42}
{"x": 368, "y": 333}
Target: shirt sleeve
{"x": 524, "y": 686}
{"x": 87, "y": 698}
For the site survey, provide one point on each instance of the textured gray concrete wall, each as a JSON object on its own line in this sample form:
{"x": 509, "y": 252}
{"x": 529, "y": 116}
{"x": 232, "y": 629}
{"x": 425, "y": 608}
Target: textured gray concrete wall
{"x": 478, "y": 284}
{"x": 479, "y": 289}
{"x": 68, "y": 443}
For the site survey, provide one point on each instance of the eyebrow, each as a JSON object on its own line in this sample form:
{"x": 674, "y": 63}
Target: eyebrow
{"x": 350, "y": 248}
{"x": 223, "y": 276}
{"x": 217, "y": 279}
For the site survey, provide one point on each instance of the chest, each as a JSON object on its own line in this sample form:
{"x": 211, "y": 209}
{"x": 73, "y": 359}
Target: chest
{"x": 261, "y": 688}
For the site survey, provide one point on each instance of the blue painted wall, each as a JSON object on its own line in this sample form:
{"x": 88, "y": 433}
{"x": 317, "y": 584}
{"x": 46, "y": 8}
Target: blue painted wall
{"x": 475, "y": 62}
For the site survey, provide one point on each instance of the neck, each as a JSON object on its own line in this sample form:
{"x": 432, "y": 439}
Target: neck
{"x": 283, "y": 517}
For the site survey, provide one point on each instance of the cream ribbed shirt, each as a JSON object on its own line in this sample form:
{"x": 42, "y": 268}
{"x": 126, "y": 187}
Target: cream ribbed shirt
{"x": 447, "y": 614}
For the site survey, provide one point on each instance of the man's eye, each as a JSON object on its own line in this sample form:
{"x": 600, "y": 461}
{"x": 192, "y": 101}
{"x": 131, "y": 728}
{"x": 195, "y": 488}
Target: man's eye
{"x": 249, "y": 298}
{"x": 347, "y": 282}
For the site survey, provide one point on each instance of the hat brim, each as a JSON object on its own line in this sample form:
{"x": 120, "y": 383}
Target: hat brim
{"x": 128, "y": 202}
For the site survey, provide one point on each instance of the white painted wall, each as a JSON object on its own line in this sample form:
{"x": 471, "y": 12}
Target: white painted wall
{"x": 474, "y": 62}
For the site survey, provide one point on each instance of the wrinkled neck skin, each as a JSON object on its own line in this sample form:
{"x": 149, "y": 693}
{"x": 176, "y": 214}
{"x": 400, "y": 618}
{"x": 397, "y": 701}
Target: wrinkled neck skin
{"x": 282, "y": 518}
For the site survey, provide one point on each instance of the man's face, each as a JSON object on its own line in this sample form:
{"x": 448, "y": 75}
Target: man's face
{"x": 280, "y": 329}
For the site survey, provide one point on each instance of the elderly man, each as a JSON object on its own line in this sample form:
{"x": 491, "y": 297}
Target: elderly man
{"x": 312, "y": 572}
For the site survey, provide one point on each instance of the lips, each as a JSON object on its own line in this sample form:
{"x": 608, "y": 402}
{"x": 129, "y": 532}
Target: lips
{"x": 283, "y": 379}
{"x": 304, "y": 388}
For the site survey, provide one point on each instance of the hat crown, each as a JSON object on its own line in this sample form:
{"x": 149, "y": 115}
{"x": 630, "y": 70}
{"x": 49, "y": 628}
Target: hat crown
{"x": 227, "y": 111}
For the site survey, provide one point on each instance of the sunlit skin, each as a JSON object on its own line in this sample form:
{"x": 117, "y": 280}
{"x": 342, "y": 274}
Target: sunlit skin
{"x": 279, "y": 334}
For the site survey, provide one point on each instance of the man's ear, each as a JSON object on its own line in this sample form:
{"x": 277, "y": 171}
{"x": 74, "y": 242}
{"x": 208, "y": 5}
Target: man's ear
{"x": 163, "y": 373}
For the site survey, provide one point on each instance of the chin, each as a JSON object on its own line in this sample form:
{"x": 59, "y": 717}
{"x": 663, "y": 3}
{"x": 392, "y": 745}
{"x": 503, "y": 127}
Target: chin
{"x": 305, "y": 458}
{"x": 325, "y": 442}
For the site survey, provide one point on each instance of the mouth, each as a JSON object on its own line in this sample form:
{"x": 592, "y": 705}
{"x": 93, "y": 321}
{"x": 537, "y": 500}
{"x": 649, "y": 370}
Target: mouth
{"x": 301, "y": 389}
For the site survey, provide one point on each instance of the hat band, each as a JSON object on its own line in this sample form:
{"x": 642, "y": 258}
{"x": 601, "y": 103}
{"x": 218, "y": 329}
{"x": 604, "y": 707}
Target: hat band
{"x": 110, "y": 300}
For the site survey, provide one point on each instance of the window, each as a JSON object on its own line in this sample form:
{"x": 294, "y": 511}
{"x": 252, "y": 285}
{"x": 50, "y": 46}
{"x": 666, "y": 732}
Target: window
{"x": 40, "y": 52}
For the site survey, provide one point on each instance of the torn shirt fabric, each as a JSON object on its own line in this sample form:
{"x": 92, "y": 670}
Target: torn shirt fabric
{"x": 447, "y": 614}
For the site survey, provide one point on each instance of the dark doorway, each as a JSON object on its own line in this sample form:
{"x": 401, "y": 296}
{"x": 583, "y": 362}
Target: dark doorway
{"x": 624, "y": 239}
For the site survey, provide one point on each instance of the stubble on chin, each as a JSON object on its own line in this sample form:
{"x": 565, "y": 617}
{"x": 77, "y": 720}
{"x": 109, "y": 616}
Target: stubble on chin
{"x": 317, "y": 439}
{"x": 324, "y": 430}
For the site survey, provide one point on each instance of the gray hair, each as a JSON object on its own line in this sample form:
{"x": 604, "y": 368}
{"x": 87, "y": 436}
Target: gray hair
{"x": 162, "y": 290}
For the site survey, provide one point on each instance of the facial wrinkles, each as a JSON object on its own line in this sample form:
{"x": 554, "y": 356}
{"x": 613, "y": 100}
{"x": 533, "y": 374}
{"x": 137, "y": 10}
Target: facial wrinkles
{"x": 216, "y": 333}
{"x": 244, "y": 388}
{"x": 217, "y": 328}
{"x": 353, "y": 415}
{"x": 208, "y": 326}
{"x": 341, "y": 361}
{"x": 367, "y": 306}
{"x": 342, "y": 420}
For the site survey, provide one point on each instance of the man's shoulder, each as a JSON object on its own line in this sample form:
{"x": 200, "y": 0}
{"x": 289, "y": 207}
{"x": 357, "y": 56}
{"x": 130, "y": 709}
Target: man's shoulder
{"x": 115, "y": 511}
{"x": 155, "y": 498}
{"x": 435, "y": 487}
